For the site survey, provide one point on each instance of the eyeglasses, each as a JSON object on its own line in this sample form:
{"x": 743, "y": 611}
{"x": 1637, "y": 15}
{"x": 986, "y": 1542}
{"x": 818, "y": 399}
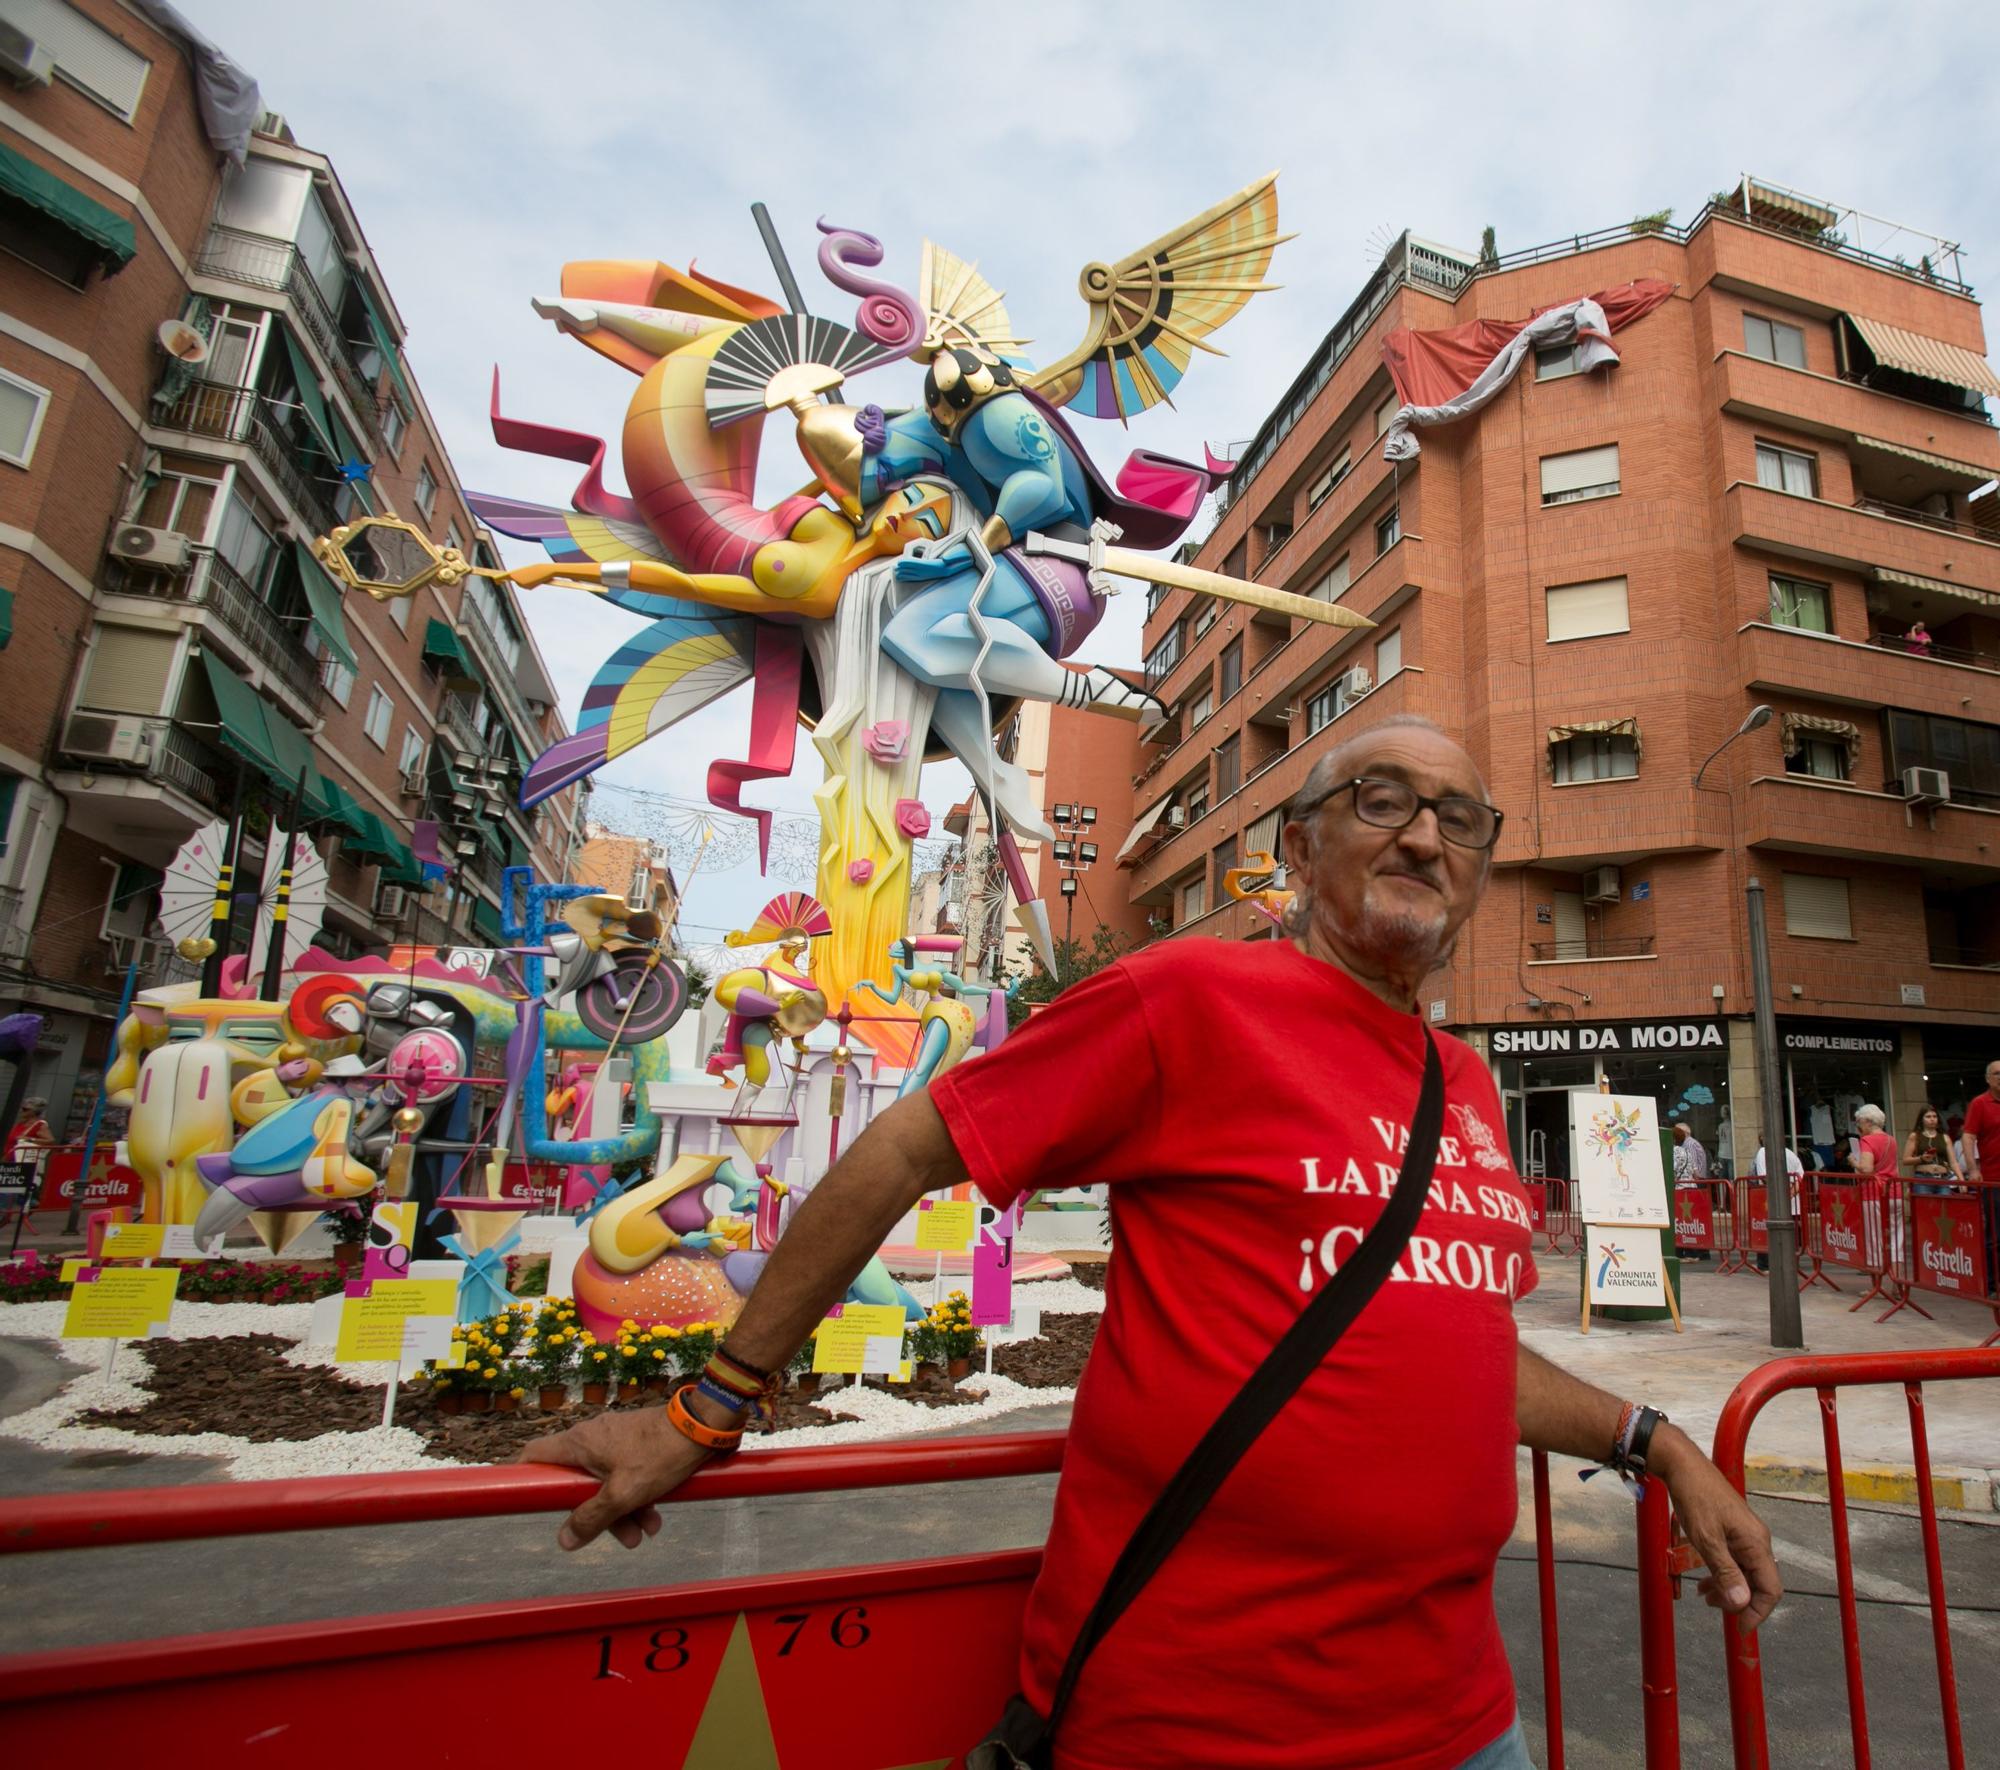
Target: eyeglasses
{"x": 1393, "y": 805}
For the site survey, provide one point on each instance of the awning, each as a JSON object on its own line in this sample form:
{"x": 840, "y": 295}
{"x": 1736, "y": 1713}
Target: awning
{"x": 1795, "y": 727}
{"x": 1144, "y": 827}
{"x": 6, "y": 617}
{"x": 294, "y": 753}
{"x": 1930, "y": 358}
{"x": 402, "y": 867}
{"x": 309, "y": 394}
{"x": 1596, "y": 728}
{"x": 485, "y": 919}
{"x": 443, "y": 648}
{"x": 351, "y": 450}
{"x": 374, "y": 841}
{"x": 1961, "y": 470}
{"x": 1764, "y": 196}
{"x": 114, "y": 237}
{"x": 323, "y": 598}
{"x": 1937, "y": 587}
{"x": 244, "y": 727}
{"x": 341, "y": 807}
{"x": 380, "y": 333}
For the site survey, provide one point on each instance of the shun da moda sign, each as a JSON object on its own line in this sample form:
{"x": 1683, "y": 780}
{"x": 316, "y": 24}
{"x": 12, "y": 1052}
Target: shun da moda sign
{"x": 1638, "y": 1035}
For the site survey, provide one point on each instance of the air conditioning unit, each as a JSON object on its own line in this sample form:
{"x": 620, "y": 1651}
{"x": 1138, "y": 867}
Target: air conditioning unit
{"x": 160, "y": 548}
{"x": 107, "y": 737}
{"x": 1927, "y": 786}
{"x": 1600, "y": 885}
{"x": 22, "y": 59}
{"x": 1176, "y": 818}
{"x": 413, "y": 784}
{"x": 1356, "y": 683}
{"x": 392, "y": 902}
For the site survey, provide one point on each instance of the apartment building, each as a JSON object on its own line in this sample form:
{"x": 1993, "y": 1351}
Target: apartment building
{"x": 635, "y": 868}
{"x": 202, "y": 368}
{"x": 1591, "y": 583}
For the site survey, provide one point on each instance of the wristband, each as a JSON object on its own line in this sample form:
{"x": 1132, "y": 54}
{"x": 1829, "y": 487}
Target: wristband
{"x": 1631, "y": 1445}
{"x": 717, "y": 1443}
{"x": 720, "y": 1396}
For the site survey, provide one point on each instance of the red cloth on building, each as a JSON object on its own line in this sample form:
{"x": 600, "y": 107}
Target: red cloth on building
{"x": 1982, "y": 1131}
{"x": 1248, "y": 1106}
{"x": 1430, "y": 368}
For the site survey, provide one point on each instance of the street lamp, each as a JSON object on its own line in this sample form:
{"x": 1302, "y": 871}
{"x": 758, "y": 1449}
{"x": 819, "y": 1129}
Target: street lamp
{"x": 1787, "y": 1330}
{"x": 1071, "y": 821}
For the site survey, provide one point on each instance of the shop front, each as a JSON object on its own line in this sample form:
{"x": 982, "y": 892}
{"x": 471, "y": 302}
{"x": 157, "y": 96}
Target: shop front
{"x": 1683, "y": 1065}
{"x": 1955, "y": 1060}
{"x": 1833, "y": 1067}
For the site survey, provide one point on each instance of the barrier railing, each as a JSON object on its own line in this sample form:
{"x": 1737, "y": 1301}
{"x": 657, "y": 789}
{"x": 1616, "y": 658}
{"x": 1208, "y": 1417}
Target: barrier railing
{"x": 1561, "y": 1221}
{"x": 1743, "y": 1648}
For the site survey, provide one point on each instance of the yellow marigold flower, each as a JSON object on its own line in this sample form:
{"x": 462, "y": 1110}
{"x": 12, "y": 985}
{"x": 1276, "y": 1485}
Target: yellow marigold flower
{"x": 458, "y": 1333}
{"x": 598, "y": 1356}
{"x": 628, "y": 1324}
{"x": 670, "y": 1333}
{"x": 657, "y": 1353}
{"x": 489, "y": 1371}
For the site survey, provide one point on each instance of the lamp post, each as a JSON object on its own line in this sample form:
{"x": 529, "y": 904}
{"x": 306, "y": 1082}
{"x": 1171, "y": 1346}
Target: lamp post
{"x": 1787, "y": 1330}
{"x": 1072, "y": 822}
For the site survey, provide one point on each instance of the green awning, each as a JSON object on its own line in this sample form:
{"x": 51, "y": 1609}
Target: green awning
{"x": 244, "y": 726}
{"x": 380, "y": 332}
{"x": 403, "y": 868}
{"x": 374, "y": 841}
{"x": 442, "y": 768}
{"x": 494, "y": 837}
{"x": 294, "y": 753}
{"x": 350, "y": 448}
{"x": 6, "y": 617}
{"x": 62, "y": 202}
{"x": 309, "y": 395}
{"x": 485, "y": 919}
{"x": 443, "y": 648}
{"x": 323, "y": 598}
{"x": 341, "y": 807}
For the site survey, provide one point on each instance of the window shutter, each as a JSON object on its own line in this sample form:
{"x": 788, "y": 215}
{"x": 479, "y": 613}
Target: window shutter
{"x": 1572, "y": 938}
{"x": 87, "y": 55}
{"x": 1262, "y": 836}
{"x": 1333, "y": 586}
{"x": 1580, "y": 611}
{"x": 128, "y": 670}
{"x": 1816, "y": 907}
{"x": 1388, "y": 654}
{"x": 1579, "y": 468}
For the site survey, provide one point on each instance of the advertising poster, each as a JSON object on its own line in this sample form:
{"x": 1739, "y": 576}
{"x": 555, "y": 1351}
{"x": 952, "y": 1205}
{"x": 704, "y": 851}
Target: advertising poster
{"x": 1617, "y": 1142}
{"x": 1624, "y": 1268}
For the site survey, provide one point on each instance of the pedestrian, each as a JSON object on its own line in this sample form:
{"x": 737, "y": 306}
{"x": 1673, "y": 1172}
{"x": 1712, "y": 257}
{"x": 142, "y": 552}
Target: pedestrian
{"x": 1796, "y": 1169}
{"x": 1332, "y": 1605}
{"x": 1918, "y": 639}
{"x": 1982, "y": 1158}
{"x": 30, "y": 1135}
{"x": 1843, "y": 1156}
{"x": 1875, "y": 1160}
{"x": 1690, "y": 1159}
{"x": 1930, "y": 1154}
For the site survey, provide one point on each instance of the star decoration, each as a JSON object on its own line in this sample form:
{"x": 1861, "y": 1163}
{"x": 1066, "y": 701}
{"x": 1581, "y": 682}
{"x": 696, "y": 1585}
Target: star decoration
{"x": 357, "y": 472}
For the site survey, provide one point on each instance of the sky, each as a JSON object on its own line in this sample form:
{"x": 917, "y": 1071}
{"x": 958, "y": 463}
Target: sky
{"x": 485, "y": 144}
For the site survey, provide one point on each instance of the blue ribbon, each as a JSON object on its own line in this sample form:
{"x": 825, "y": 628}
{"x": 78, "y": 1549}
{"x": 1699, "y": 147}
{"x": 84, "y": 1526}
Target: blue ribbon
{"x": 605, "y": 1194}
{"x": 482, "y": 1286}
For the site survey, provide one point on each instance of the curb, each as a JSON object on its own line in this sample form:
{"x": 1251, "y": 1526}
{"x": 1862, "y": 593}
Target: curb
{"x": 1894, "y": 1484}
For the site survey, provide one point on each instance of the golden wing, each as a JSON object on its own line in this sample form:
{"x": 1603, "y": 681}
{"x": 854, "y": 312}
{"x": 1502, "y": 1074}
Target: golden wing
{"x": 1151, "y": 312}
{"x": 961, "y": 307}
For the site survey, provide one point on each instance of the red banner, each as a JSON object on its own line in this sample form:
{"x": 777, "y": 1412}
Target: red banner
{"x": 1757, "y": 1234}
{"x": 1841, "y": 1226}
{"x": 534, "y": 1184}
{"x": 1538, "y": 1204}
{"x": 1694, "y": 1218}
{"x": 1949, "y": 1253}
{"x": 110, "y": 1184}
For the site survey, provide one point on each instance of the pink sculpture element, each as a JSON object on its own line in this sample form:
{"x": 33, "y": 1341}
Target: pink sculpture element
{"x": 859, "y": 872}
{"x": 887, "y": 740}
{"x": 913, "y": 818}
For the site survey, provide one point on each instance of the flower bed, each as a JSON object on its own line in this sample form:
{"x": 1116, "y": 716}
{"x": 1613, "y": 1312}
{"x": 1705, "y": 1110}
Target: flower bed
{"x": 31, "y": 1279}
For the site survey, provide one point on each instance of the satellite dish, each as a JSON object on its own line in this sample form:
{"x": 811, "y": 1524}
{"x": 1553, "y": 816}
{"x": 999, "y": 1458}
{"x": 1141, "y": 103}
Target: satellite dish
{"x": 180, "y": 340}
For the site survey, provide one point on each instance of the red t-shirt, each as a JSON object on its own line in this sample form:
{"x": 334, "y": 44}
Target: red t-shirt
{"x": 1982, "y": 1131}
{"x": 1333, "y": 1605}
{"x": 1882, "y": 1147}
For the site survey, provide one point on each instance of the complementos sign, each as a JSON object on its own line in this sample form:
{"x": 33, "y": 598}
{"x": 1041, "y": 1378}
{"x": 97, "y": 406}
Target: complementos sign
{"x": 1833, "y": 1039}
{"x": 1627, "y": 1035}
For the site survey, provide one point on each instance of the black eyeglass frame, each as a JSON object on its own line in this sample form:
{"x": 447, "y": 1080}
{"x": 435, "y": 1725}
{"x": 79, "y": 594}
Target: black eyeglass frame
{"x": 1420, "y": 803}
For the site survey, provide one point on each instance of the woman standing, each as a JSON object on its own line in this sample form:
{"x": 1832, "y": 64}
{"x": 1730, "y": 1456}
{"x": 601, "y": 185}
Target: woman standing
{"x": 1929, "y": 1155}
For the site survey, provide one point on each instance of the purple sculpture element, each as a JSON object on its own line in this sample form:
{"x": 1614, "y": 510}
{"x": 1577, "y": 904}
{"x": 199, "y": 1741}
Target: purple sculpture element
{"x": 859, "y": 872}
{"x": 886, "y": 315}
{"x": 887, "y": 740}
{"x": 913, "y": 818}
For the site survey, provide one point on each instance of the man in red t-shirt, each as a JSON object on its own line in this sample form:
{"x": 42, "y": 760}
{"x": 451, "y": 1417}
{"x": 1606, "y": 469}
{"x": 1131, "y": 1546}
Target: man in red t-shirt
{"x": 1979, "y": 1149}
{"x": 1247, "y": 1104}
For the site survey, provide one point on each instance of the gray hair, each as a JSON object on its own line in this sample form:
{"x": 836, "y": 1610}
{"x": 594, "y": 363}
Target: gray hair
{"x": 34, "y": 1105}
{"x": 1870, "y": 1115}
{"x": 1327, "y": 773}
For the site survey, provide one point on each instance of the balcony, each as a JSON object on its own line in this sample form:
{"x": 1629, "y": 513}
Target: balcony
{"x": 156, "y": 960}
{"x": 1820, "y": 405}
{"x": 1580, "y": 949}
{"x": 242, "y": 415}
{"x": 500, "y": 670}
{"x": 210, "y": 582}
{"x": 1807, "y": 816}
{"x": 1878, "y": 673}
{"x": 276, "y": 265}
{"x": 136, "y": 783}
{"x": 1859, "y": 538}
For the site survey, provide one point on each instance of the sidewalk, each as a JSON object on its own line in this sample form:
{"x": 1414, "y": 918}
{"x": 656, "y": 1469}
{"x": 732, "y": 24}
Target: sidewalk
{"x": 1690, "y": 1376}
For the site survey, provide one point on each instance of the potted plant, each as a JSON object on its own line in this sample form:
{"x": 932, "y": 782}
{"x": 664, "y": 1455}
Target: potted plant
{"x": 446, "y": 1395}
{"x": 551, "y": 1342}
{"x": 959, "y": 1338}
{"x": 804, "y": 1378}
{"x": 692, "y": 1347}
{"x": 349, "y": 1229}
{"x": 927, "y": 1348}
{"x": 593, "y": 1360}
{"x": 511, "y": 1386}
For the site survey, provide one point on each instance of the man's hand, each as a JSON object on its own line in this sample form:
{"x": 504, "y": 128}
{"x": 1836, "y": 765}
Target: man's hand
{"x": 639, "y": 1457}
{"x": 1731, "y": 1539}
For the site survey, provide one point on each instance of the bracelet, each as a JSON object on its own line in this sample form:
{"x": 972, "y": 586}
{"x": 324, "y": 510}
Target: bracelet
{"x": 720, "y": 1396}
{"x": 719, "y": 1443}
{"x": 1631, "y": 1444}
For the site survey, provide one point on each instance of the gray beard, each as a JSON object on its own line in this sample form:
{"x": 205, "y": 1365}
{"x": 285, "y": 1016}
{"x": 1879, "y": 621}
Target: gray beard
{"x": 1404, "y": 940}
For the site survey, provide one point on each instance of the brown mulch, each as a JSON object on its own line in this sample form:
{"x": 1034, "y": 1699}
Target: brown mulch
{"x": 1055, "y": 1361}
{"x": 1086, "y": 1272}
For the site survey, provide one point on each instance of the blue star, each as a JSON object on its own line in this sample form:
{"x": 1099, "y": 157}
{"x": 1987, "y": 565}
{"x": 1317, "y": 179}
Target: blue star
{"x": 357, "y": 472}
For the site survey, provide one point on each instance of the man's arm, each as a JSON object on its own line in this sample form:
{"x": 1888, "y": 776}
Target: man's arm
{"x": 1558, "y": 1412}
{"x": 641, "y": 1456}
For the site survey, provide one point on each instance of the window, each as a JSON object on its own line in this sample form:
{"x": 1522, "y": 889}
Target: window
{"x": 381, "y": 710}
{"x": 339, "y": 679}
{"x": 1197, "y": 801}
{"x": 1388, "y": 530}
{"x": 1164, "y": 656}
{"x": 1322, "y": 488}
{"x": 1554, "y": 361}
{"x": 426, "y": 490}
{"x": 1816, "y": 907}
{"x": 1796, "y": 602}
{"x": 1822, "y": 758}
{"x": 1323, "y": 708}
{"x": 1571, "y": 930}
{"x": 1204, "y": 618}
{"x": 1232, "y": 668}
{"x": 1968, "y": 754}
{"x": 179, "y": 499}
{"x": 1194, "y": 899}
{"x": 23, "y": 405}
{"x": 1786, "y": 470}
{"x": 1580, "y": 474}
{"x": 1276, "y": 534}
{"x": 320, "y": 249}
{"x": 1587, "y": 611}
{"x": 1220, "y": 862}
{"x": 399, "y": 612}
{"x": 1228, "y": 765}
{"x": 1333, "y": 586}
{"x": 1262, "y": 837}
{"x": 1388, "y": 654}
{"x": 247, "y": 541}
{"x": 1774, "y": 341}
{"x": 88, "y": 56}
{"x": 395, "y": 424}
{"x": 1385, "y": 414}
{"x": 128, "y": 669}
{"x": 451, "y": 538}
{"x": 1595, "y": 756}
{"x": 1199, "y": 708}
{"x": 412, "y": 757}
{"x": 232, "y": 343}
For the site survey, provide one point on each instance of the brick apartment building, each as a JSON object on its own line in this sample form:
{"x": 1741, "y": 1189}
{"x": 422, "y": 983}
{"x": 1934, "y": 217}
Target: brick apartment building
{"x": 170, "y": 633}
{"x": 635, "y": 868}
{"x": 1591, "y": 582}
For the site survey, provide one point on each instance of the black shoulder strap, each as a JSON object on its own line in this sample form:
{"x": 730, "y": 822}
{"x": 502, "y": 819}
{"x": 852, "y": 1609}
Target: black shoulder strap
{"x": 1284, "y": 1370}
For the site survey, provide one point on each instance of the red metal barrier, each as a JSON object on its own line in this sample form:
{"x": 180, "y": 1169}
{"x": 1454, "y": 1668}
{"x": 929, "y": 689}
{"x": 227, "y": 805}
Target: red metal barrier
{"x": 1561, "y": 1218}
{"x": 1742, "y": 1647}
